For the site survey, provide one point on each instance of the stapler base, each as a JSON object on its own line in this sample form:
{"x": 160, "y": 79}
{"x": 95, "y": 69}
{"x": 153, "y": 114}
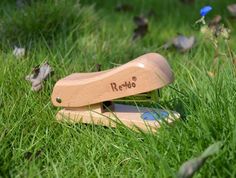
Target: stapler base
{"x": 137, "y": 118}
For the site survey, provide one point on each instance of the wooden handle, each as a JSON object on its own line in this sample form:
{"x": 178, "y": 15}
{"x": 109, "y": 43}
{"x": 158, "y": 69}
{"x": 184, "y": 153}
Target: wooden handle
{"x": 143, "y": 74}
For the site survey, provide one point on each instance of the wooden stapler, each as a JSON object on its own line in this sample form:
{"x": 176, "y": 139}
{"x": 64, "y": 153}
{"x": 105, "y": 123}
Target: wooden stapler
{"x": 88, "y": 97}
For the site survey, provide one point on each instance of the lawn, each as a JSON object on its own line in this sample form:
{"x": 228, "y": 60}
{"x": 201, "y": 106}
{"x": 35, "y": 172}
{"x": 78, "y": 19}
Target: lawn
{"x": 75, "y": 37}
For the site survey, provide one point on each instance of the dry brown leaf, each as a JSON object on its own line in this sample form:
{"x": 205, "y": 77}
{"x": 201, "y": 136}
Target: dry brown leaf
{"x": 19, "y": 52}
{"x": 215, "y": 21}
{"x": 183, "y": 43}
{"x": 211, "y": 74}
{"x": 234, "y": 61}
{"x": 38, "y": 75}
{"x": 30, "y": 155}
{"x": 142, "y": 27}
{"x": 98, "y": 67}
{"x": 190, "y": 167}
{"x": 232, "y": 9}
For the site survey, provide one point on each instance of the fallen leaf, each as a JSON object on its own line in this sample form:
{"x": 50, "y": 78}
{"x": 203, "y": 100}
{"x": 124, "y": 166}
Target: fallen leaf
{"x": 181, "y": 42}
{"x": 19, "y": 52}
{"x": 98, "y": 67}
{"x": 188, "y": 168}
{"x": 215, "y": 21}
{"x": 123, "y": 7}
{"x": 140, "y": 20}
{"x": 38, "y": 75}
{"x": 232, "y": 9}
{"x": 211, "y": 74}
{"x": 142, "y": 27}
{"x": 212, "y": 149}
{"x": 29, "y": 155}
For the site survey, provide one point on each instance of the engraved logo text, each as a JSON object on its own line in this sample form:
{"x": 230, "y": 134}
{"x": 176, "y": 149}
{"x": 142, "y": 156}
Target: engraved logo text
{"x": 124, "y": 86}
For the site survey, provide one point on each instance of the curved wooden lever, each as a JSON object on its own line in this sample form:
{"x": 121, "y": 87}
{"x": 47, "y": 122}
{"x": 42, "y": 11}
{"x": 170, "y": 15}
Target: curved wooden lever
{"x": 143, "y": 74}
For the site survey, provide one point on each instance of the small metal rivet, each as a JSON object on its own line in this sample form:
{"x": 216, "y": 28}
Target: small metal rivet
{"x": 58, "y": 100}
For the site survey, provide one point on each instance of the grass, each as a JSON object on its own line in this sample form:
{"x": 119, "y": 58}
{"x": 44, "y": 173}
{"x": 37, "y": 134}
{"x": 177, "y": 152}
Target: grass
{"x": 34, "y": 144}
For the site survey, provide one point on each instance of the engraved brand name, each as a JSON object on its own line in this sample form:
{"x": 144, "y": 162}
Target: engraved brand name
{"x": 124, "y": 86}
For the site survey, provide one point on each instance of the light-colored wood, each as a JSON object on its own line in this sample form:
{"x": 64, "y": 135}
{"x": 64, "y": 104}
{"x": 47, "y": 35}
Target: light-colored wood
{"x": 130, "y": 116}
{"x": 143, "y": 74}
{"x": 83, "y": 94}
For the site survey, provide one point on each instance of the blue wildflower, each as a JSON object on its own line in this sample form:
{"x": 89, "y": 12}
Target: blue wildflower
{"x": 204, "y": 11}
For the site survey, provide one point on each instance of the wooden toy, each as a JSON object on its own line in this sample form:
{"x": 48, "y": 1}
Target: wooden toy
{"x": 88, "y": 97}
